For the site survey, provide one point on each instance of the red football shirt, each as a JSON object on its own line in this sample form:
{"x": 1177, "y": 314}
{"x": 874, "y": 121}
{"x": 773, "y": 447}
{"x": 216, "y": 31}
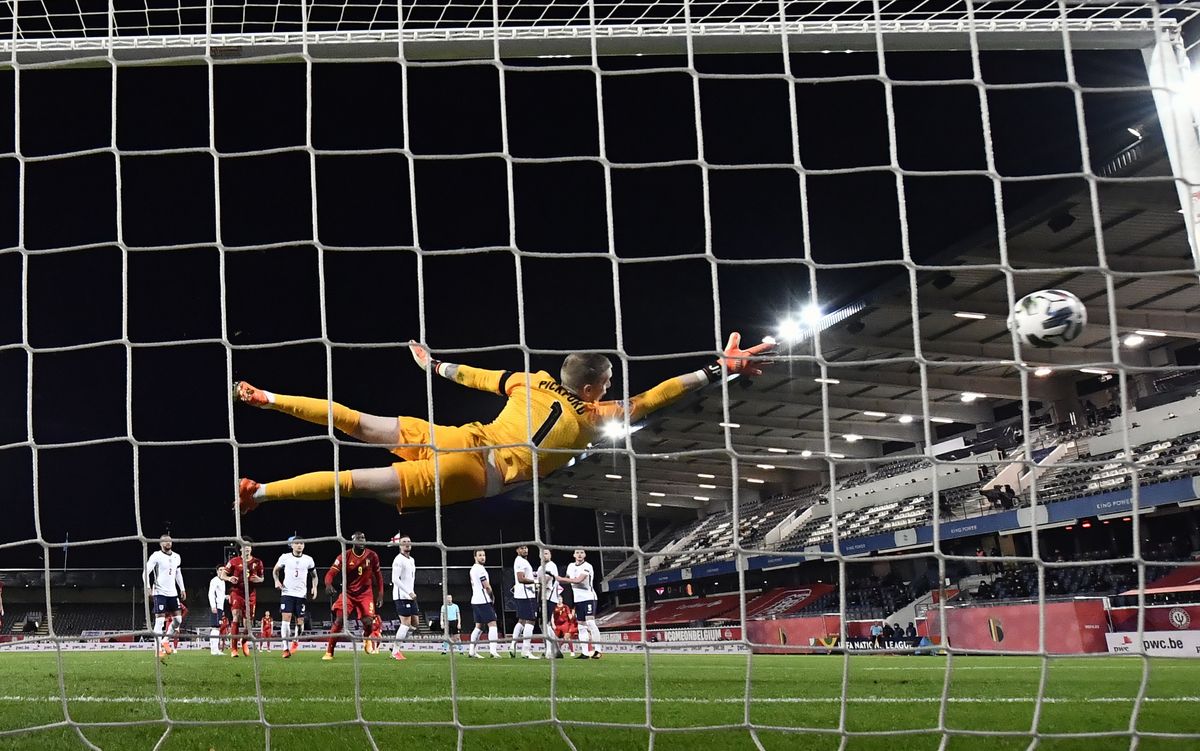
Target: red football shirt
{"x": 236, "y": 569}
{"x": 363, "y": 572}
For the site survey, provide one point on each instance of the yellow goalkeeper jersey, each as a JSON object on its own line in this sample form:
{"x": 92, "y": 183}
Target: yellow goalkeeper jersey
{"x": 541, "y": 413}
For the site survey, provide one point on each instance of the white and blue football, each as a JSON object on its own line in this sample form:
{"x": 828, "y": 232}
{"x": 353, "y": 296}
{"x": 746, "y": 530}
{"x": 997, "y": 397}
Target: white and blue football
{"x": 1048, "y": 318}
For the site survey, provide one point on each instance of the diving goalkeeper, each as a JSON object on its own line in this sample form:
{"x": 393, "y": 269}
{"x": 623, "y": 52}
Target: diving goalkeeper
{"x": 541, "y": 412}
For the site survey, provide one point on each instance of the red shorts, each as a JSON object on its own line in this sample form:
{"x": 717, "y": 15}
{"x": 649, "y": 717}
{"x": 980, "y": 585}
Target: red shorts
{"x": 355, "y": 606}
{"x": 237, "y": 601}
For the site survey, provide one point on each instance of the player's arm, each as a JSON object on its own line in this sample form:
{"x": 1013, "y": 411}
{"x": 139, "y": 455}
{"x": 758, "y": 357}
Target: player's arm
{"x": 492, "y": 381}
{"x": 179, "y": 585}
{"x": 226, "y": 573}
{"x": 256, "y": 578}
{"x": 148, "y": 578}
{"x": 334, "y": 572}
{"x": 577, "y": 579}
{"x": 277, "y": 575}
{"x": 312, "y": 577}
{"x": 733, "y": 360}
{"x": 377, "y": 583}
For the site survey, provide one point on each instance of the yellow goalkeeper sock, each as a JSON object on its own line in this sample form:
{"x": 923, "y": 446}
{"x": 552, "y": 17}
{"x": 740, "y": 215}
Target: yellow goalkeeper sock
{"x": 314, "y": 486}
{"x": 317, "y": 410}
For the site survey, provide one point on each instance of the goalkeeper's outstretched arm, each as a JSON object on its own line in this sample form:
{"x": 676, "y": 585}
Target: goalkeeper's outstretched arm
{"x": 733, "y": 360}
{"x": 492, "y": 381}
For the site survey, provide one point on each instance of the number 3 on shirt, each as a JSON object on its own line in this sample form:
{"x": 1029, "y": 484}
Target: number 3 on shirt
{"x": 556, "y": 411}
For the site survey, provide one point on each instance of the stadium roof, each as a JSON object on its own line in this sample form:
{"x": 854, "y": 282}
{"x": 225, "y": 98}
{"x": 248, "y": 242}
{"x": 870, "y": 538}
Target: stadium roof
{"x": 872, "y": 377}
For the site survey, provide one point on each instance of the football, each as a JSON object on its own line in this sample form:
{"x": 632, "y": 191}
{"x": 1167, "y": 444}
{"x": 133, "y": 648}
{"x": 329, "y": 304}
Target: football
{"x": 1048, "y": 318}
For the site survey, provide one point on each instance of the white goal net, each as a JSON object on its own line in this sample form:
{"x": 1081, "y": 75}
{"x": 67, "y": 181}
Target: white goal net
{"x": 287, "y": 192}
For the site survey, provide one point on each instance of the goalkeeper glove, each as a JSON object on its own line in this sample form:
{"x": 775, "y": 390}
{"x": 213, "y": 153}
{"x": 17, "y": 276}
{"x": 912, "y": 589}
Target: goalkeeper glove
{"x": 738, "y": 360}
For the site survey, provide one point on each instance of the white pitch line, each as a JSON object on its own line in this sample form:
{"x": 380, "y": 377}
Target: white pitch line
{"x": 223, "y": 700}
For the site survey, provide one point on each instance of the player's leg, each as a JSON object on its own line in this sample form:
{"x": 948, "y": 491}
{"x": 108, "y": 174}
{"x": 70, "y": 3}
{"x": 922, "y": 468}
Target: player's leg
{"x": 301, "y": 613}
{"x": 175, "y": 628}
{"x": 285, "y": 625}
{"x": 338, "y": 621}
{"x": 248, "y": 625}
{"x": 527, "y": 647}
{"x": 168, "y": 631}
{"x": 372, "y": 625}
{"x": 381, "y": 483}
{"x": 594, "y": 629}
{"x": 214, "y": 633}
{"x": 368, "y": 428}
{"x": 493, "y": 638}
{"x": 475, "y": 634}
{"x": 402, "y": 606}
{"x": 160, "y": 617}
{"x": 235, "y": 626}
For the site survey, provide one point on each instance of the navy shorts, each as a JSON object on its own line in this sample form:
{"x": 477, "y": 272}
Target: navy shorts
{"x": 526, "y": 609}
{"x": 485, "y": 613}
{"x": 215, "y": 618}
{"x": 164, "y": 604}
{"x": 586, "y": 609}
{"x": 294, "y": 605}
{"x": 406, "y": 607}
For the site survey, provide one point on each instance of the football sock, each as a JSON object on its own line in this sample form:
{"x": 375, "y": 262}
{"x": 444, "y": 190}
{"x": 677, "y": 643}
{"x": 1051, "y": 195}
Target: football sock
{"x": 475, "y": 634}
{"x": 314, "y": 486}
{"x": 595, "y": 631}
{"x": 516, "y": 637}
{"x": 333, "y": 632}
{"x": 401, "y": 632}
{"x": 528, "y": 638}
{"x": 317, "y": 411}
{"x": 285, "y": 631}
{"x": 493, "y": 636}
{"x": 214, "y": 639}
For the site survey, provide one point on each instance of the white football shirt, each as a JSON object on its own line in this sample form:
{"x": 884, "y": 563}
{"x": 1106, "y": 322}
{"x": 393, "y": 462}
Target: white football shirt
{"x": 550, "y": 583}
{"x": 216, "y": 593}
{"x": 584, "y": 590}
{"x": 404, "y": 578}
{"x": 168, "y": 579}
{"x": 523, "y": 591}
{"x": 479, "y": 595}
{"x": 295, "y": 573}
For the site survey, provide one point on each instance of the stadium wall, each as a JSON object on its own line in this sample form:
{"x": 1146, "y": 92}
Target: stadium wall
{"x": 792, "y": 635}
{"x": 1158, "y": 618}
{"x": 1073, "y": 627}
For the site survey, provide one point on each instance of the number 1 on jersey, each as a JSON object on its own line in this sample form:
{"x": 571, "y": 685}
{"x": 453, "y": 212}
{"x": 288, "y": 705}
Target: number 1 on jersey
{"x": 556, "y": 411}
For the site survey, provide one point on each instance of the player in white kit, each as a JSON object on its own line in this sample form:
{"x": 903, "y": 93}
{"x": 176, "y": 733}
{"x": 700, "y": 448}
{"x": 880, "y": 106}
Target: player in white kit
{"x": 526, "y": 599}
{"x": 482, "y": 606}
{"x": 295, "y": 575}
{"x": 404, "y": 590}
{"x": 164, "y": 584}
{"x": 216, "y": 606}
{"x": 551, "y": 596}
{"x": 582, "y": 578}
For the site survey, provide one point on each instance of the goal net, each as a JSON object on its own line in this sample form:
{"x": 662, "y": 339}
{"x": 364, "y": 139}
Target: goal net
{"x": 288, "y": 192}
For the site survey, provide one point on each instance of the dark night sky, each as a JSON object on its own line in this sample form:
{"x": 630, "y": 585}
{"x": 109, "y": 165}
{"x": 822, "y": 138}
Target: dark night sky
{"x": 180, "y": 393}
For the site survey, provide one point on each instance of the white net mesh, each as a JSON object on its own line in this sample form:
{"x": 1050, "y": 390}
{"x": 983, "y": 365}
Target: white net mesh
{"x": 834, "y": 405}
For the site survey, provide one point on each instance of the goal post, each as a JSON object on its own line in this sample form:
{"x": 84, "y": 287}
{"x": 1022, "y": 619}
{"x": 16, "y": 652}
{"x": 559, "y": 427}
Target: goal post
{"x": 580, "y": 37}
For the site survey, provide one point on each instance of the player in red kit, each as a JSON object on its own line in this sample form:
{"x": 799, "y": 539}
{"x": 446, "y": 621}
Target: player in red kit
{"x": 566, "y": 626}
{"x": 268, "y": 630}
{"x": 363, "y": 595}
{"x": 238, "y": 572}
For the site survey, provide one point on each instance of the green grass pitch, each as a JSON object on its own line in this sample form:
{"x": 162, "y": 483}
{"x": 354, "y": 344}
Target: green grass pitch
{"x": 894, "y": 701}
